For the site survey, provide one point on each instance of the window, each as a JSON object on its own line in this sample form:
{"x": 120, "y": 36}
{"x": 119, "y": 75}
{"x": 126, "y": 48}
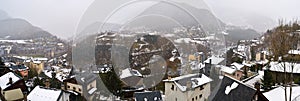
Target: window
{"x": 201, "y": 87}
{"x": 175, "y": 99}
{"x": 74, "y": 88}
{"x": 193, "y": 99}
{"x": 69, "y": 87}
{"x": 196, "y": 98}
{"x": 200, "y": 96}
{"x": 79, "y": 89}
{"x": 237, "y": 75}
{"x": 172, "y": 87}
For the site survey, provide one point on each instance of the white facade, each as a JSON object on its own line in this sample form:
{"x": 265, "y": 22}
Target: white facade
{"x": 196, "y": 88}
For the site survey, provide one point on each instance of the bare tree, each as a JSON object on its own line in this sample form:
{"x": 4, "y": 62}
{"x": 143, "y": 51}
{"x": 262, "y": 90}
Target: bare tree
{"x": 281, "y": 40}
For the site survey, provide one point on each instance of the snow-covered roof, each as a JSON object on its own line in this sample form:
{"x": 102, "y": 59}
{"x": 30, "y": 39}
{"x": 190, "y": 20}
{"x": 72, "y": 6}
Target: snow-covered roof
{"x": 214, "y": 60}
{"x": 188, "y": 40}
{"x": 279, "y": 67}
{"x": 15, "y": 41}
{"x": 197, "y": 66}
{"x": 228, "y": 70}
{"x": 61, "y": 73}
{"x": 265, "y": 61}
{"x": 195, "y": 79}
{"x": 257, "y": 78}
{"x": 41, "y": 94}
{"x": 295, "y": 52}
{"x": 129, "y": 72}
{"x": 248, "y": 64}
{"x": 37, "y": 62}
{"x": 200, "y": 81}
{"x": 40, "y": 59}
{"x": 237, "y": 65}
{"x": 4, "y": 79}
{"x": 277, "y": 94}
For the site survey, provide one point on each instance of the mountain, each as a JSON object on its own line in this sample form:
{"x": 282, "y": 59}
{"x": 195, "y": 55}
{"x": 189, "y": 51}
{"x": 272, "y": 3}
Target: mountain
{"x": 183, "y": 14}
{"x": 244, "y": 18}
{"x": 20, "y": 29}
{"x": 237, "y": 33}
{"x": 3, "y": 15}
{"x": 14, "y": 28}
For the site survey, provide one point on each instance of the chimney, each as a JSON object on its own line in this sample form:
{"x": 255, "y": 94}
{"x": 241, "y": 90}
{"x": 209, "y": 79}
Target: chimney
{"x": 257, "y": 86}
{"x": 188, "y": 85}
{"x": 10, "y": 81}
{"x": 47, "y": 83}
{"x": 210, "y": 61}
{"x": 169, "y": 78}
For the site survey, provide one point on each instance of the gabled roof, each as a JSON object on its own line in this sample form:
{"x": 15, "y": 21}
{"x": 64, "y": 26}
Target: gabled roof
{"x": 279, "y": 67}
{"x": 150, "y": 96}
{"x": 214, "y": 60}
{"x": 18, "y": 67}
{"x": 82, "y": 78}
{"x": 230, "y": 89}
{"x": 195, "y": 80}
{"x": 295, "y": 52}
{"x": 129, "y": 72}
{"x": 42, "y": 94}
{"x": 4, "y": 79}
{"x": 228, "y": 70}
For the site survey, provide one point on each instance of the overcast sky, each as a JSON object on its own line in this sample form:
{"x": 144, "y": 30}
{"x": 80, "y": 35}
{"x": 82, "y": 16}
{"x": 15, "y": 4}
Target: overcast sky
{"x": 60, "y": 17}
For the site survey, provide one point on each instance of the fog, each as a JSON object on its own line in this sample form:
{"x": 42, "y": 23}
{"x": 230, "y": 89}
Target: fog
{"x": 61, "y": 17}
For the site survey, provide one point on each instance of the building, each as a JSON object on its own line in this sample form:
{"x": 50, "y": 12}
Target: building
{"x": 230, "y": 89}
{"x": 131, "y": 77}
{"x": 5, "y": 50}
{"x": 148, "y": 96}
{"x": 12, "y": 87}
{"x": 35, "y": 63}
{"x": 47, "y": 94}
{"x": 229, "y": 71}
{"x": 191, "y": 87}
{"x": 277, "y": 71}
{"x": 83, "y": 84}
{"x": 240, "y": 70}
{"x": 22, "y": 69}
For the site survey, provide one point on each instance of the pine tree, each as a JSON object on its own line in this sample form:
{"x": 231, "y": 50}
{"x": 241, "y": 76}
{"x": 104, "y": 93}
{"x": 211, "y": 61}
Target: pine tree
{"x": 268, "y": 81}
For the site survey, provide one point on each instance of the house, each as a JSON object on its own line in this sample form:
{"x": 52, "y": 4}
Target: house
{"x": 40, "y": 93}
{"x": 277, "y": 94}
{"x": 22, "y": 69}
{"x": 277, "y": 71}
{"x": 83, "y": 84}
{"x": 60, "y": 73}
{"x": 191, "y": 87}
{"x": 254, "y": 79}
{"x": 240, "y": 68}
{"x": 229, "y": 71}
{"x": 294, "y": 52}
{"x": 148, "y": 96}
{"x": 35, "y": 63}
{"x": 230, "y": 89}
{"x": 261, "y": 56}
{"x": 12, "y": 87}
{"x": 131, "y": 77}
